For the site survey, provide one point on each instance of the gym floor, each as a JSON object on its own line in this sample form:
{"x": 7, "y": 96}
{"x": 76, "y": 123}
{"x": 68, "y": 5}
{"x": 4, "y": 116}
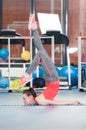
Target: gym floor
{"x": 15, "y": 116}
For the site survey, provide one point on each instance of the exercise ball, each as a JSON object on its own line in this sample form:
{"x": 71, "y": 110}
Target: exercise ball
{"x": 28, "y": 84}
{"x": 73, "y": 74}
{"x": 0, "y": 73}
{"x": 73, "y": 71}
{"x": 39, "y": 83}
{"x": 4, "y": 53}
{"x": 57, "y": 70}
{"x": 83, "y": 70}
{"x": 83, "y": 66}
{"x": 3, "y": 60}
{"x": 25, "y": 55}
{"x": 4, "y": 83}
{"x": 14, "y": 84}
{"x": 41, "y": 71}
{"x": 74, "y": 81}
{"x": 40, "y": 74}
{"x": 34, "y": 74}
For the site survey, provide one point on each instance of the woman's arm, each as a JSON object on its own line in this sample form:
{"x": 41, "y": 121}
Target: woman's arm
{"x": 42, "y": 101}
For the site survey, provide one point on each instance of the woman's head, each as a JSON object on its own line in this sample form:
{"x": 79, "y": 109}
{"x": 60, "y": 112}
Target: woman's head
{"x": 29, "y": 96}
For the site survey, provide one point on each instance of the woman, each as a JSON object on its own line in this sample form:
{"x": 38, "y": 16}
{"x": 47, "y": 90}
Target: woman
{"x": 50, "y": 74}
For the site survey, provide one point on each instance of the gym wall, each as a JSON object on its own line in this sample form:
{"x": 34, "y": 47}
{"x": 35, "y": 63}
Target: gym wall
{"x": 19, "y": 10}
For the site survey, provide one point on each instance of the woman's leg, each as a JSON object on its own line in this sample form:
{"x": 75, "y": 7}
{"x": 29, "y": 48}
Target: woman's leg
{"x": 42, "y": 58}
{"x": 37, "y": 40}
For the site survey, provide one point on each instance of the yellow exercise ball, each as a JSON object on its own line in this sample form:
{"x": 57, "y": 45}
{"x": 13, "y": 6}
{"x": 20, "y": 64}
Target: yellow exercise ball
{"x": 15, "y": 84}
{"x": 26, "y": 55}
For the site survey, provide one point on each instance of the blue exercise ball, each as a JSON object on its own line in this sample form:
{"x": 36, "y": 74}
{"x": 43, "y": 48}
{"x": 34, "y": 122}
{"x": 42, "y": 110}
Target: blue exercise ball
{"x": 4, "y": 83}
{"x": 74, "y": 81}
{"x": 73, "y": 74}
{"x": 57, "y": 70}
{"x": 83, "y": 68}
{"x": 4, "y": 53}
{"x": 0, "y": 74}
{"x": 34, "y": 74}
{"x": 41, "y": 72}
{"x": 73, "y": 71}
